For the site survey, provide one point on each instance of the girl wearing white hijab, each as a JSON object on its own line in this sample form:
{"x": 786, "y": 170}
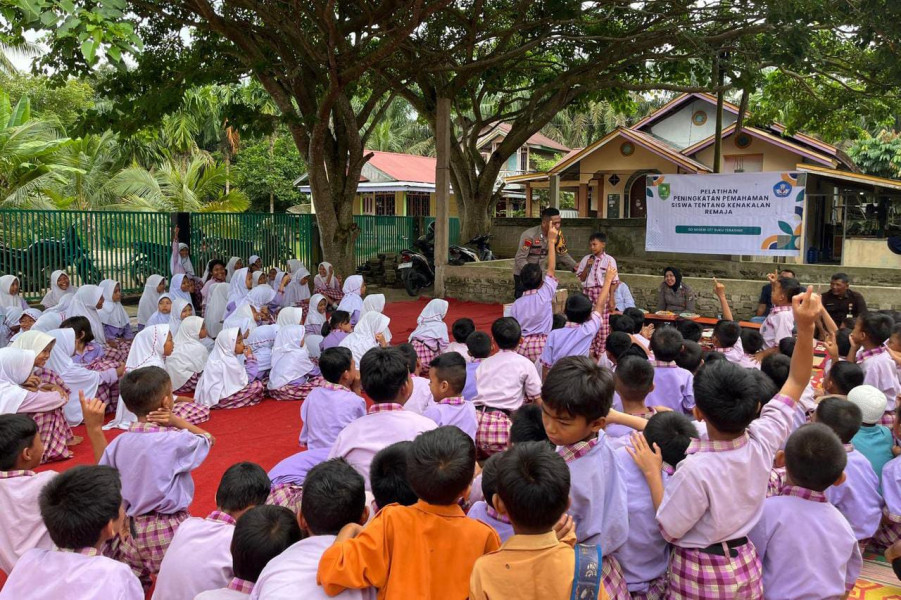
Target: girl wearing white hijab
{"x": 316, "y": 316}
{"x": 180, "y": 287}
{"x": 27, "y": 320}
{"x": 19, "y": 393}
{"x": 181, "y": 309}
{"x": 328, "y": 283}
{"x": 94, "y": 384}
{"x": 86, "y": 303}
{"x": 234, "y": 264}
{"x": 162, "y": 312}
{"x": 186, "y": 362}
{"x": 11, "y": 318}
{"x": 228, "y": 376}
{"x": 290, "y": 315}
{"x": 153, "y": 289}
{"x": 245, "y": 318}
{"x": 258, "y": 278}
{"x": 376, "y": 303}
{"x": 260, "y": 342}
{"x": 116, "y": 324}
{"x": 255, "y": 263}
{"x": 60, "y": 285}
{"x": 42, "y": 345}
{"x": 297, "y": 292}
{"x": 352, "y": 303}
{"x": 430, "y": 336}
{"x": 290, "y": 378}
{"x": 215, "y": 309}
{"x": 9, "y": 293}
{"x": 369, "y": 333}
{"x": 240, "y": 286}
{"x": 180, "y": 264}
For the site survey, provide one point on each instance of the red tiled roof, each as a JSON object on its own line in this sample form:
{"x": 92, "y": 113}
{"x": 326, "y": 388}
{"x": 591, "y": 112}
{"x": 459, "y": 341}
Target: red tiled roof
{"x": 404, "y": 167}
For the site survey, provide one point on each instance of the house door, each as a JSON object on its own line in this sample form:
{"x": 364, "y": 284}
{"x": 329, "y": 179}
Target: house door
{"x": 638, "y": 208}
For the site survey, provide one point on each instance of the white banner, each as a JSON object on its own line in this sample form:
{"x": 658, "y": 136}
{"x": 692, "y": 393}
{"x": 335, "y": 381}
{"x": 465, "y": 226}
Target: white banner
{"x": 729, "y": 213}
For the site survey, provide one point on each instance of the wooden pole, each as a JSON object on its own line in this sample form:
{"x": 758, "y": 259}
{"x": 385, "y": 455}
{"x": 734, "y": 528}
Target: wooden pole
{"x": 719, "y": 77}
{"x": 442, "y": 192}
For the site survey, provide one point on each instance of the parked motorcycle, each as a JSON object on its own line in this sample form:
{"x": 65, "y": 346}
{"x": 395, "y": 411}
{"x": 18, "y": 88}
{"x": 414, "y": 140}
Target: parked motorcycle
{"x": 461, "y": 254}
{"x": 417, "y": 266}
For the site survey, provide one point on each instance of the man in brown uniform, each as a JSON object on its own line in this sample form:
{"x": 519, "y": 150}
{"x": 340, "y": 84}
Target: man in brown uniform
{"x": 533, "y": 247}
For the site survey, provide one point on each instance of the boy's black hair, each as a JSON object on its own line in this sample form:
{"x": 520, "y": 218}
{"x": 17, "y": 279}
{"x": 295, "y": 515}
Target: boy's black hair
{"x": 410, "y": 356}
{"x": 383, "y": 373}
{"x": 843, "y": 341}
{"x": 144, "y": 389}
{"x": 334, "y": 362}
{"x": 506, "y": 333}
{"x": 622, "y": 323}
{"x": 243, "y": 485}
{"x": 727, "y": 333}
{"x": 689, "y": 330}
{"x": 599, "y": 236}
{"x": 526, "y": 425}
{"x": 531, "y": 277}
{"x": 877, "y": 326}
{"x": 787, "y": 346}
{"x": 777, "y": 368}
{"x": 261, "y": 534}
{"x": 577, "y": 386}
{"x": 791, "y": 287}
{"x": 896, "y": 330}
{"x": 337, "y": 319}
{"x": 634, "y": 374}
{"x": 814, "y": 457}
{"x": 751, "y": 341}
{"x": 846, "y": 376}
{"x": 78, "y": 503}
{"x": 666, "y": 344}
{"x": 17, "y": 432}
{"x": 462, "y": 329}
{"x": 841, "y": 415}
{"x": 388, "y": 476}
{"x": 441, "y": 464}
{"x": 617, "y": 343}
{"x": 637, "y": 318}
{"x": 489, "y": 478}
{"x": 711, "y": 356}
{"x": 691, "y": 356}
{"x": 578, "y": 308}
{"x": 725, "y": 393}
{"x": 450, "y": 367}
{"x": 549, "y": 212}
{"x": 635, "y": 350}
{"x": 765, "y": 388}
{"x": 82, "y": 328}
{"x": 558, "y": 321}
{"x": 479, "y": 344}
{"x": 533, "y": 481}
{"x": 672, "y": 432}
{"x": 334, "y": 494}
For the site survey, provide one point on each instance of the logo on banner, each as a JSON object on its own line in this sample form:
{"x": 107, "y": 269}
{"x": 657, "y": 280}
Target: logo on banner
{"x": 782, "y": 189}
{"x": 663, "y": 190}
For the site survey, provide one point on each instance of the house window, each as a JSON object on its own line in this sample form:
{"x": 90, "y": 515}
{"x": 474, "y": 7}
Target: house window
{"x": 384, "y": 204}
{"x": 523, "y": 159}
{"x": 743, "y": 163}
{"x": 368, "y": 205}
{"x": 418, "y": 204}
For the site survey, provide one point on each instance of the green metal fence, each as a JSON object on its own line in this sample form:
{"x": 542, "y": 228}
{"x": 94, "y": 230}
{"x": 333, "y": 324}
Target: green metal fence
{"x": 393, "y": 234}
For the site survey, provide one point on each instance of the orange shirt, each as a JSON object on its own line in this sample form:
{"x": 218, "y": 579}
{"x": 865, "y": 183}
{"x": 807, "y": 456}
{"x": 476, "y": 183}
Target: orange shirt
{"x": 424, "y": 551}
{"x": 527, "y": 567}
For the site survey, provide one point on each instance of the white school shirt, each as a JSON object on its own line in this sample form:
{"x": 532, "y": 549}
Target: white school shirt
{"x": 421, "y": 397}
{"x": 780, "y": 323}
{"x": 505, "y": 379}
{"x": 21, "y": 526}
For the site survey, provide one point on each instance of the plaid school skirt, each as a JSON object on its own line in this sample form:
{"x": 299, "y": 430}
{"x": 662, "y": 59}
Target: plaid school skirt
{"x": 120, "y": 352}
{"x": 888, "y": 533}
{"x": 295, "y": 392}
{"x": 250, "y": 395}
{"x": 288, "y": 495}
{"x": 598, "y": 344}
{"x": 656, "y": 590}
{"x": 55, "y": 433}
{"x": 193, "y": 413}
{"x": 333, "y": 294}
{"x": 493, "y": 432}
{"x": 426, "y": 351}
{"x": 144, "y": 549}
{"x": 532, "y": 346}
{"x": 613, "y": 580}
{"x": 697, "y": 575}
{"x": 189, "y": 387}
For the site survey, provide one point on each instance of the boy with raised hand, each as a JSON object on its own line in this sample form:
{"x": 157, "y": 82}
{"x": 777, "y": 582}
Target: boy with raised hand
{"x": 534, "y": 309}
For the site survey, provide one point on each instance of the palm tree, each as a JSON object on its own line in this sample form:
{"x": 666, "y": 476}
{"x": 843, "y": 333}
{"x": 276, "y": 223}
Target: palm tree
{"x": 22, "y": 48}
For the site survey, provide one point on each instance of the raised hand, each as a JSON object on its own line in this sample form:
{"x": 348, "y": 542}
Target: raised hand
{"x": 93, "y": 411}
{"x": 611, "y": 274}
{"x": 552, "y": 234}
{"x": 806, "y": 308}
{"x": 718, "y": 288}
{"x": 772, "y": 277}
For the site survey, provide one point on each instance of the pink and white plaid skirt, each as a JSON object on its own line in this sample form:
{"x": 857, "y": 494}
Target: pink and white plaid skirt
{"x": 888, "y": 533}
{"x": 493, "y": 433}
{"x": 288, "y": 495}
{"x": 333, "y": 294}
{"x": 426, "y": 350}
{"x": 532, "y": 346}
{"x": 189, "y": 387}
{"x": 120, "y": 352}
{"x": 295, "y": 392}
{"x": 613, "y": 580}
{"x": 656, "y": 590}
{"x": 55, "y": 433}
{"x": 249, "y": 395}
{"x": 144, "y": 550}
{"x": 103, "y": 364}
{"x": 193, "y": 413}
{"x": 696, "y": 575}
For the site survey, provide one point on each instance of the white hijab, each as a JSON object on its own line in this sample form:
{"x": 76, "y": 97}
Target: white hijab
{"x": 146, "y": 351}
{"x": 376, "y": 303}
{"x": 36, "y": 341}
{"x": 185, "y": 262}
{"x": 175, "y": 290}
{"x": 215, "y": 308}
{"x": 290, "y": 360}
{"x": 230, "y": 267}
{"x": 112, "y": 313}
{"x": 362, "y": 339}
{"x": 84, "y": 304}
{"x": 290, "y": 315}
{"x": 47, "y": 322}
{"x": 277, "y": 280}
{"x": 294, "y": 266}
{"x": 223, "y": 374}
{"x": 259, "y": 296}
{"x": 319, "y": 280}
{"x": 238, "y": 286}
{"x": 352, "y": 301}
{"x": 175, "y": 316}
{"x": 431, "y": 325}
{"x": 65, "y": 303}
{"x": 296, "y": 291}
{"x": 7, "y": 300}
{"x": 56, "y": 293}
{"x": 313, "y": 344}
{"x": 158, "y": 318}
{"x": 77, "y": 377}
{"x": 189, "y": 355}
{"x": 253, "y": 259}
{"x": 314, "y": 317}
{"x": 149, "y": 299}
{"x": 260, "y": 341}
{"x": 15, "y": 368}
{"x": 242, "y": 318}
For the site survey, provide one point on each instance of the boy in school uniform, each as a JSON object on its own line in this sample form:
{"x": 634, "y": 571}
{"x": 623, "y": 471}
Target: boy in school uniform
{"x": 780, "y": 323}
{"x": 868, "y": 338}
{"x": 479, "y": 345}
{"x": 485, "y": 510}
{"x": 673, "y": 385}
{"x": 577, "y": 396}
{"x": 633, "y": 380}
{"x": 155, "y": 459}
{"x": 334, "y": 495}
{"x": 801, "y": 518}
{"x": 858, "y": 497}
{"x": 534, "y": 310}
{"x": 461, "y": 330}
{"x": 727, "y": 332}
{"x": 388, "y": 477}
{"x": 644, "y": 556}
{"x": 716, "y": 496}
{"x": 583, "y": 324}
{"x": 533, "y": 491}
{"x": 592, "y": 272}
{"x": 21, "y": 526}
{"x": 261, "y": 534}
{"x": 447, "y": 378}
{"x": 873, "y": 440}
{"x": 82, "y": 509}
{"x": 421, "y": 396}
{"x": 333, "y": 405}
{"x": 422, "y": 551}
{"x": 385, "y": 376}
{"x": 504, "y": 381}
{"x": 243, "y": 486}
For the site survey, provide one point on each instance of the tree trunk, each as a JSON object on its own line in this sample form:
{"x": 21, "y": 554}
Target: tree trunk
{"x": 478, "y": 218}
{"x": 228, "y": 164}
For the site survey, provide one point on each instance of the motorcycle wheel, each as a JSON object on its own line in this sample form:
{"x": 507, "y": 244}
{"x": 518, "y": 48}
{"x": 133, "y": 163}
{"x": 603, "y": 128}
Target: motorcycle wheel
{"x": 414, "y": 282}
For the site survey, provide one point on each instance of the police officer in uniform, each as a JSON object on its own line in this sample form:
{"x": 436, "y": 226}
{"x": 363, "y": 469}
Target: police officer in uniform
{"x": 533, "y": 247}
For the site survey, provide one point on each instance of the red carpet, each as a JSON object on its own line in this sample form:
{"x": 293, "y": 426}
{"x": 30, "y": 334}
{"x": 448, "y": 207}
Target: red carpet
{"x": 403, "y": 316}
